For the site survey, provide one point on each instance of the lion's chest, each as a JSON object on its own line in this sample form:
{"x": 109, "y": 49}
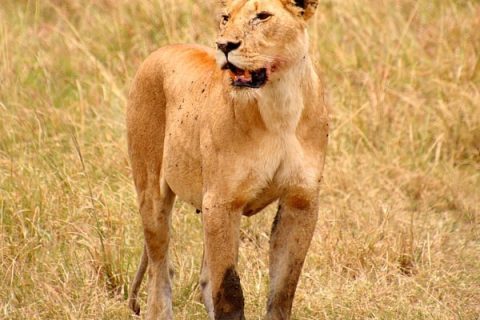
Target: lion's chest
{"x": 266, "y": 168}
{"x": 281, "y": 165}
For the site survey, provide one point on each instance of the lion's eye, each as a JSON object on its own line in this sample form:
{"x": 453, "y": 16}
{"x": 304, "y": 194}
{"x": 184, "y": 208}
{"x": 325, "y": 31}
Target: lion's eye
{"x": 225, "y": 18}
{"x": 264, "y": 15}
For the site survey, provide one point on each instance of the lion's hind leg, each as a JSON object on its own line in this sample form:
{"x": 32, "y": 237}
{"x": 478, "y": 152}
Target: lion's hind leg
{"x": 146, "y": 122}
{"x": 156, "y": 203}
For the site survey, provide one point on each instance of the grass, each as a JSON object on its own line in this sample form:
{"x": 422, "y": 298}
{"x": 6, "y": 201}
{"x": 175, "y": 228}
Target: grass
{"x": 399, "y": 230}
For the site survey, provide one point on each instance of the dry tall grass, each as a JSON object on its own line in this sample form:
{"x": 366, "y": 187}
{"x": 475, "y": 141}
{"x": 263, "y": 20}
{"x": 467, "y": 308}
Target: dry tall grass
{"x": 399, "y": 233}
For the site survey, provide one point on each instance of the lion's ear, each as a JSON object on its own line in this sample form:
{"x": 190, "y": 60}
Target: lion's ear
{"x": 302, "y": 8}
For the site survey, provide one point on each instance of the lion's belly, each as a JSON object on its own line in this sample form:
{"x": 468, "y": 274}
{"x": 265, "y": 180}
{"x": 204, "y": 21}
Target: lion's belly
{"x": 182, "y": 161}
{"x": 184, "y": 178}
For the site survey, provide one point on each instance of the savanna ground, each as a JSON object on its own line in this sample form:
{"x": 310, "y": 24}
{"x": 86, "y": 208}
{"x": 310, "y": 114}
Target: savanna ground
{"x": 399, "y": 229}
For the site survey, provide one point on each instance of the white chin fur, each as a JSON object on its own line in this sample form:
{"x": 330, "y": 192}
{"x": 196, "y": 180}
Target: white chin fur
{"x": 221, "y": 59}
{"x": 237, "y": 61}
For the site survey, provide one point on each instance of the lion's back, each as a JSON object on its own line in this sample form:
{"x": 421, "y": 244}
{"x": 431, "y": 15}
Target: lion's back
{"x": 179, "y": 61}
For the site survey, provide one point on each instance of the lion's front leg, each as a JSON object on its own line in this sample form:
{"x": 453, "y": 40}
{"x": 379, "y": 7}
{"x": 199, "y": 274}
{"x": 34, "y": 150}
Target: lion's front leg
{"x": 220, "y": 281}
{"x": 292, "y": 232}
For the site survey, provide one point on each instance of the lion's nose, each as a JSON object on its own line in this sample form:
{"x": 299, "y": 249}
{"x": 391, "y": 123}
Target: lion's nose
{"x": 229, "y": 46}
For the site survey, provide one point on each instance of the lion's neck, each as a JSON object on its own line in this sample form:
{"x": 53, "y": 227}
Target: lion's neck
{"x": 281, "y": 102}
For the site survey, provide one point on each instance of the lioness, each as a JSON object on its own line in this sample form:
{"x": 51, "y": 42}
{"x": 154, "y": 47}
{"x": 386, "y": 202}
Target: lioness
{"x": 230, "y": 131}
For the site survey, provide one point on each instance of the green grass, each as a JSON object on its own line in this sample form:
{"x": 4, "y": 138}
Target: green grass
{"x": 399, "y": 230}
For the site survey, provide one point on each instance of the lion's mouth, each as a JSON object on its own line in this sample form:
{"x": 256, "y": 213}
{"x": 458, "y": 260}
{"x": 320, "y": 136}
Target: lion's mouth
{"x": 246, "y": 78}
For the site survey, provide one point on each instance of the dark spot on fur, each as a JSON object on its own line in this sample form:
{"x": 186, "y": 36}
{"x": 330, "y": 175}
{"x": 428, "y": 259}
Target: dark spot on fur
{"x": 203, "y": 90}
{"x": 238, "y": 203}
{"x": 229, "y": 302}
{"x": 198, "y": 211}
{"x": 276, "y": 220}
{"x": 298, "y": 202}
{"x": 248, "y": 213}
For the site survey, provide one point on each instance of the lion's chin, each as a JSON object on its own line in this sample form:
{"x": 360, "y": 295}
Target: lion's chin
{"x": 246, "y": 78}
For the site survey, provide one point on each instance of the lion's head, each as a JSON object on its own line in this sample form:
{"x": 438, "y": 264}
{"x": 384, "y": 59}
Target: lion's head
{"x": 258, "y": 38}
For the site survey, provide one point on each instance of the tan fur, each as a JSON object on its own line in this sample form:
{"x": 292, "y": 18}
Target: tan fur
{"x": 230, "y": 152}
